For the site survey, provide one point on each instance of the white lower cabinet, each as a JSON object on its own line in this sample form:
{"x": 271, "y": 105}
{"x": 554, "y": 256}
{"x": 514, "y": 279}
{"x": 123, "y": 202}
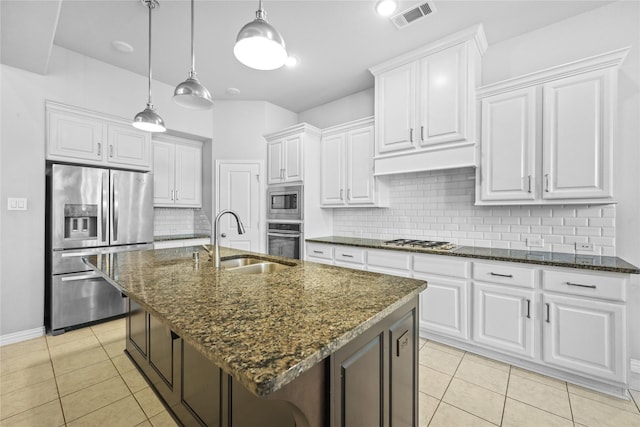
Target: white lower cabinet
{"x": 503, "y": 318}
{"x": 319, "y": 252}
{"x": 444, "y": 306}
{"x": 585, "y": 336}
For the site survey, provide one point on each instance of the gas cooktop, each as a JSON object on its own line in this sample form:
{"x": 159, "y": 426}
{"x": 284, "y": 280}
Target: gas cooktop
{"x": 420, "y": 244}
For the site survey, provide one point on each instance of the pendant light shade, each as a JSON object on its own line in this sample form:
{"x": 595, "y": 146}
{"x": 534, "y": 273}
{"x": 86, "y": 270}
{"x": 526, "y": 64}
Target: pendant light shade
{"x": 148, "y": 120}
{"x": 191, "y": 93}
{"x": 259, "y": 45}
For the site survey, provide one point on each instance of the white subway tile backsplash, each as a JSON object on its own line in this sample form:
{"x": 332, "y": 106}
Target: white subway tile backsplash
{"x": 440, "y": 205}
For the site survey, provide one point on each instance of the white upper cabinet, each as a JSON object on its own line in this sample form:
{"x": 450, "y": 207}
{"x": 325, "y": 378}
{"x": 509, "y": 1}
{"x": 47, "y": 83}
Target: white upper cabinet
{"x": 425, "y": 105}
{"x": 395, "y": 95}
{"x": 509, "y": 135}
{"x": 548, "y": 137}
{"x": 346, "y": 166}
{"x": 80, "y": 136}
{"x": 177, "y": 172}
{"x": 577, "y": 139}
{"x": 284, "y": 159}
{"x": 444, "y": 100}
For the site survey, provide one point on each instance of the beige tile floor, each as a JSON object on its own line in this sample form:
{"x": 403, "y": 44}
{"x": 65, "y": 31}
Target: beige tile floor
{"x": 82, "y": 378}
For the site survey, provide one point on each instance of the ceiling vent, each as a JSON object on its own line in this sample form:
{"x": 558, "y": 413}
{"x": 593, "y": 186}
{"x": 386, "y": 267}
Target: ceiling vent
{"x": 413, "y": 14}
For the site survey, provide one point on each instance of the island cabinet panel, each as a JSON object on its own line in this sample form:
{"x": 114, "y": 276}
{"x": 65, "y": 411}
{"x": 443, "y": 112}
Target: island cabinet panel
{"x": 243, "y": 409}
{"x": 137, "y": 327}
{"x": 161, "y": 350}
{"x": 201, "y": 388}
{"x": 374, "y": 378}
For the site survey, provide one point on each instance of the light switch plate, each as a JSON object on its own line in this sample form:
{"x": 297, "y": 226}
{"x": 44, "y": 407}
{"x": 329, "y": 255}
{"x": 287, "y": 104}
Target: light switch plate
{"x": 17, "y": 203}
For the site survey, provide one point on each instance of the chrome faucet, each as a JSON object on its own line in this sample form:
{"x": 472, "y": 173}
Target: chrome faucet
{"x": 216, "y": 244}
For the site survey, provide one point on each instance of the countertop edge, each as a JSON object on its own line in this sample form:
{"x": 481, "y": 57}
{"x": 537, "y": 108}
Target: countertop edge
{"x": 622, "y": 270}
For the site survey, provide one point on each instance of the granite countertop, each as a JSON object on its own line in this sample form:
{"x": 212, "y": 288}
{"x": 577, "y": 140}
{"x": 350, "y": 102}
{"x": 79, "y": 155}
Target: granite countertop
{"x": 263, "y": 329}
{"x": 168, "y": 237}
{"x": 557, "y": 259}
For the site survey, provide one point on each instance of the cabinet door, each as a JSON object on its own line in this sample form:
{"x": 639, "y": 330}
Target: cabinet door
{"x": 442, "y": 87}
{"x": 360, "y": 181}
{"x": 128, "y": 147}
{"x": 332, "y": 165}
{"x": 161, "y": 357}
{"x": 577, "y": 140}
{"x": 503, "y": 318}
{"x": 275, "y": 166}
{"x": 509, "y": 135}
{"x": 395, "y": 108}
{"x": 293, "y": 167}
{"x": 163, "y": 173}
{"x": 75, "y": 136}
{"x": 137, "y": 324}
{"x": 585, "y": 336}
{"x": 359, "y": 384}
{"x": 444, "y": 306}
{"x": 188, "y": 176}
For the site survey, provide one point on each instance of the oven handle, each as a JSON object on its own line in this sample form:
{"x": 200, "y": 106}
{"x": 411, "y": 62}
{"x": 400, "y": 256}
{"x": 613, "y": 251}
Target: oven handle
{"x": 294, "y": 234}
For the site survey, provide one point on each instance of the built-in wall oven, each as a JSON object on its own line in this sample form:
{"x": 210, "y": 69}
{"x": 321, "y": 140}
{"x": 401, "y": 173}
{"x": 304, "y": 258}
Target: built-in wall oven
{"x": 285, "y": 203}
{"x": 285, "y": 239}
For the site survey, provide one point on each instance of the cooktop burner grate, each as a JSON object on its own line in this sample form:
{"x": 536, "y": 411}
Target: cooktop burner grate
{"x": 422, "y": 244}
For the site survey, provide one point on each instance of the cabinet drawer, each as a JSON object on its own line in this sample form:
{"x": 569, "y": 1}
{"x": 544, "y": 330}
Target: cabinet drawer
{"x": 317, "y": 250}
{"x": 504, "y": 274}
{"x": 591, "y": 285}
{"x": 347, "y": 254}
{"x": 389, "y": 259}
{"x": 442, "y": 266}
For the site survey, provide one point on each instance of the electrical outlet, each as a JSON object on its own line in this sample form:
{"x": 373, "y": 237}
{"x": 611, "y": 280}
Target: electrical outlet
{"x": 535, "y": 242}
{"x": 584, "y": 247}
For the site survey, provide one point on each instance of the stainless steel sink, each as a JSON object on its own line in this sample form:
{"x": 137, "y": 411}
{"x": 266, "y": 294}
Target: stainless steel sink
{"x": 250, "y": 265}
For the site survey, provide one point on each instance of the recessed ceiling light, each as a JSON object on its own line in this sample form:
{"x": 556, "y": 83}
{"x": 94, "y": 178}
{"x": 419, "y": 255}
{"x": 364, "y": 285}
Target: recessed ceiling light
{"x": 121, "y": 46}
{"x": 386, "y": 7}
{"x": 233, "y": 91}
{"x": 292, "y": 61}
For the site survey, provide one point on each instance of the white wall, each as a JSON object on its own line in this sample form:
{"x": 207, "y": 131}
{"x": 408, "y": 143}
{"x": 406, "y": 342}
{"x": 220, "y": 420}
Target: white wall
{"x": 352, "y": 107}
{"x": 76, "y": 80}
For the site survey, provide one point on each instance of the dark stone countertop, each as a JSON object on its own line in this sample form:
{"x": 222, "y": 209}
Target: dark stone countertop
{"x": 168, "y": 237}
{"x": 557, "y": 259}
{"x": 263, "y": 329}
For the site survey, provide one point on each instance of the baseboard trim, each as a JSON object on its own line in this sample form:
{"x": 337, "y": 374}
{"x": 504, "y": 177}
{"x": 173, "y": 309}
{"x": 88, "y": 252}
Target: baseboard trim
{"x": 635, "y": 366}
{"x": 21, "y": 336}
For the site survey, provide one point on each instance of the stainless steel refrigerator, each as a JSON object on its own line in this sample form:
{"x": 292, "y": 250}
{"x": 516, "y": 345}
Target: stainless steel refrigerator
{"x": 91, "y": 211}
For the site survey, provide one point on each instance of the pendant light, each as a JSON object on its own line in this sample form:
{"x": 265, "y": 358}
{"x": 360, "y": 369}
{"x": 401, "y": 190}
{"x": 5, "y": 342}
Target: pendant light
{"x": 191, "y": 93}
{"x": 148, "y": 120}
{"x": 259, "y": 45}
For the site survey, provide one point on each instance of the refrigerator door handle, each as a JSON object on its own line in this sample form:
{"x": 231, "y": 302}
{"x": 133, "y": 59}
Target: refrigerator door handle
{"x": 115, "y": 207}
{"x": 104, "y": 201}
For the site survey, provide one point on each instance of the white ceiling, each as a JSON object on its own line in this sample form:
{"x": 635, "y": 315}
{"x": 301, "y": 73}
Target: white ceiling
{"x": 336, "y": 41}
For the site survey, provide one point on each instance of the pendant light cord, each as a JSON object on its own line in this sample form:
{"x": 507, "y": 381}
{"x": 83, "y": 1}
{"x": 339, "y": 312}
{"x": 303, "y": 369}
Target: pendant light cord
{"x": 193, "y": 56}
{"x": 150, "y": 6}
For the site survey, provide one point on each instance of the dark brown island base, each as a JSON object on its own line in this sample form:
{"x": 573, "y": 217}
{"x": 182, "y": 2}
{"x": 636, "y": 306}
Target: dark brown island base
{"x": 270, "y": 341}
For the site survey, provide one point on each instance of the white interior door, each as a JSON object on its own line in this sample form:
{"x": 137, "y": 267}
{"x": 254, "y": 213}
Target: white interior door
{"x": 239, "y": 188}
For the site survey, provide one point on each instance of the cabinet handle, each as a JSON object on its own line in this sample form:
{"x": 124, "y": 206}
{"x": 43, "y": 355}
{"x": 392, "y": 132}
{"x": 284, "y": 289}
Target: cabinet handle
{"x": 546, "y": 182}
{"x": 581, "y": 285}
{"x": 529, "y": 179}
{"x": 501, "y": 275}
{"x": 318, "y": 252}
{"x": 177, "y": 195}
{"x": 422, "y": 133}
{"x": 528, "y": 308}
{"x": 99, "y": 149}
{"x": 111, "y": 150}
{"x": 548, "y": 319}
{"x": 348, "y": 194}
{"x": 411, "y": 135}
{"x": 347, "y": 256}
{"x": 341, "y": 191}
{"x": 171, "y": 194}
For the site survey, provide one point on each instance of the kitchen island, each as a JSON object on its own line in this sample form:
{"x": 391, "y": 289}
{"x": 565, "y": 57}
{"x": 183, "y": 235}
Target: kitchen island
{"x": 309, "y": 344}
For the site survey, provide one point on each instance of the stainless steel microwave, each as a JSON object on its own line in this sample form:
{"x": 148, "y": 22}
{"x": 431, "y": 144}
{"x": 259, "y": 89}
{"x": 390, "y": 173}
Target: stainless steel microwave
{"x": 285, "y": 202}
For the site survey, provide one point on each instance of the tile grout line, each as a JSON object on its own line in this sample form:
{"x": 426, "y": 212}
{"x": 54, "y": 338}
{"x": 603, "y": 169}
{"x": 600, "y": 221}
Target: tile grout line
{"x": 506, "y": 393}
{"x": 55, "y": 379}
